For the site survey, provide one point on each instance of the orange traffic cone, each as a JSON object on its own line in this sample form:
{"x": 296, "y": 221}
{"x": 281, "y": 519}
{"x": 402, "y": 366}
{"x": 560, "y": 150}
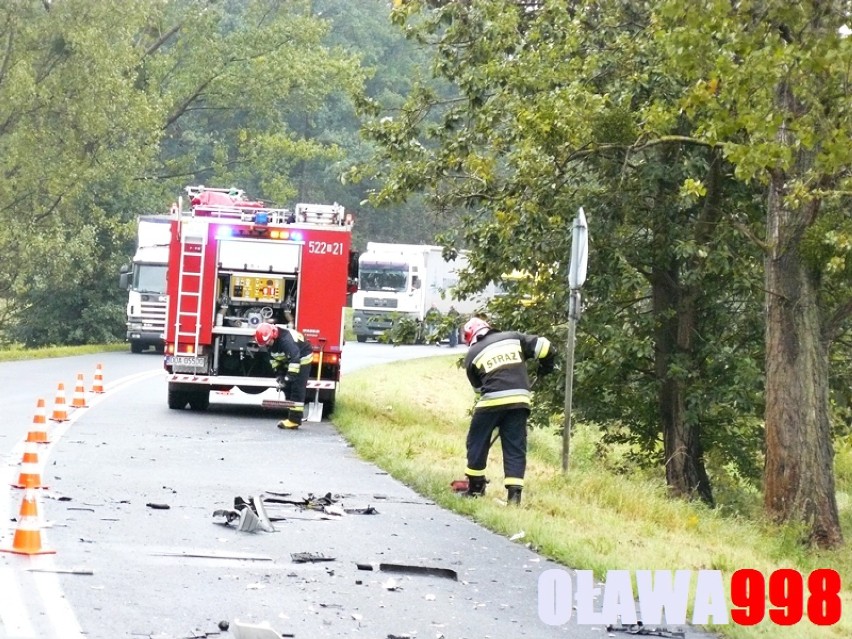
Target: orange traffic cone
{"x": 79, "y": 399}
{"x": 30, "y": 454}
{"x": 60, "y": 410}
{"x": 29, "y": 477}
{"x": 29, "y": 505}
{"x": 27, "y": 540}
{"x": 98, "y": 384}
{"x": 38, "y": 433}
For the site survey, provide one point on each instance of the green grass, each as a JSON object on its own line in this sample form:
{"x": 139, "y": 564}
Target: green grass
{"x": 20, "y": 353}
{"x": 348, "y": 331}
{"x": 411, "y": 418}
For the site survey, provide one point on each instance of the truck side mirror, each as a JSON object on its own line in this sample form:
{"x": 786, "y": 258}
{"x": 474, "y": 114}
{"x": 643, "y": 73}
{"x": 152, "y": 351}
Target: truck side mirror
{"x": 353, "y": 265}
{"x": 124, "y": 277}
{"x": 415, "y": 282}
{"x": 352, "y": 273}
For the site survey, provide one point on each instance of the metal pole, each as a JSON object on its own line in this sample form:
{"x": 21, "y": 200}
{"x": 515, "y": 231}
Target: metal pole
{"x": 573, "y": 303}
{"x": 576, "y": 277}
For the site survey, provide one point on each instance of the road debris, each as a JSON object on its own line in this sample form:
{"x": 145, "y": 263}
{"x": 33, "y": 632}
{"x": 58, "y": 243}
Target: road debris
{"x": 311, "y": 502}
{"x": 641, "y": 629}
{"x": 250, "y": 515}
{"x": 230, "y": 516}
{"x": 213, "y": 555}
{"x": 242, "y": 630}
{"x": 334, "y": 509}
{"x": 309, "y": 557}
{"x": 64, "y": 571}
{"x": 391, "y": 584}
{"x": 158, "y": 506}
{"x": 411, "y": 569}
{"x": 327, "y": 504}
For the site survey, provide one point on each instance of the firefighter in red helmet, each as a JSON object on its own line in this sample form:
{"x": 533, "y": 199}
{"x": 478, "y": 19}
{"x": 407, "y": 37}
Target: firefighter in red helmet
{"x": 495, "y": 366}
{"x": 290, "y": 356}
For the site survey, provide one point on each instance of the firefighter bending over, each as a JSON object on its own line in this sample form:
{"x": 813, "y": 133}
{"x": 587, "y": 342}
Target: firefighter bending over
{"x": 495, "y": 368}
{"x": 290, "y": 356}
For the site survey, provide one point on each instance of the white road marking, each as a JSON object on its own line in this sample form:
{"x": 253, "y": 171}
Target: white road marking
{"x": 59, "y": 611}
{"x": 14, "y": 620}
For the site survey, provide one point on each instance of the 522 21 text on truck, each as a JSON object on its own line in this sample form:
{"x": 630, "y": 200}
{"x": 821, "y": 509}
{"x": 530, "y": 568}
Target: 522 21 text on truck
{"x": 234, "y": 263}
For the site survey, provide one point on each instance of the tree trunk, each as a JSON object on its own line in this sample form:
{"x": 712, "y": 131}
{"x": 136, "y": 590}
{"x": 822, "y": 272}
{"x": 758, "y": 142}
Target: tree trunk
{"x": 684, "y": 462}
{"x": 799, "y": 471}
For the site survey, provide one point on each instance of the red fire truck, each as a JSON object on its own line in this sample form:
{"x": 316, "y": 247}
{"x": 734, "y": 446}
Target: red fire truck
{"x": 234, "y": 263}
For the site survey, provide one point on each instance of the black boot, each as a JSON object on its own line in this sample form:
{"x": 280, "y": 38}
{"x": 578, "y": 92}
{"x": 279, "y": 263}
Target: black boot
{"x": 475, "y": 486}
{"x": 514, "y": 495}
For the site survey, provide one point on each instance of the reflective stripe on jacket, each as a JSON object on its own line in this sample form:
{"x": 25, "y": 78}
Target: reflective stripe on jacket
{"x": 290, "y": 350}
{"x": 495, "y": 368}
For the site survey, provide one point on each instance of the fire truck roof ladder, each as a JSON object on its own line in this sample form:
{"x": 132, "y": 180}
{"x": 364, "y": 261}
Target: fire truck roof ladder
{"x": 192, "y": 191}
{"x": 325, "y": 214}
{"x": 246, "y": 213}
{"x": 190, "y": 281}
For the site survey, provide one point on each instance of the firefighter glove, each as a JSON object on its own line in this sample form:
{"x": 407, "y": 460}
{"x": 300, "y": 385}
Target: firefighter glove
{"x": 285, "y": 385}
{"x": 546, "y": 365}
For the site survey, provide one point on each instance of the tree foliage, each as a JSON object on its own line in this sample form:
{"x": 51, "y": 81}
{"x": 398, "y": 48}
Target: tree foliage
{"x": 70, "y": 118}
{"x": 109, "y": 108}
{"x": 666, "y": 124}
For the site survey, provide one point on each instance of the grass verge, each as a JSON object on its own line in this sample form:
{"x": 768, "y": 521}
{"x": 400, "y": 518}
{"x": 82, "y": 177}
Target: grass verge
{"x": 410, "y": 418}
{"x": 19, "y": 353}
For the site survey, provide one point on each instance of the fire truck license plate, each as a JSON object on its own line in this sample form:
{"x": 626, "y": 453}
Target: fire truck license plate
{"x": 187, "y": 361}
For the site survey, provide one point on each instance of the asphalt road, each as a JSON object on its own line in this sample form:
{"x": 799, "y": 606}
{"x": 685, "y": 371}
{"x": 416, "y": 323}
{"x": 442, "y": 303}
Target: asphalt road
{"x": 125, "y": 568}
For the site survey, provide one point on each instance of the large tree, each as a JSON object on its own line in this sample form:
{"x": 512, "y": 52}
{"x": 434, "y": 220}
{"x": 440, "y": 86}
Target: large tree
{"x": 779, "y": 73}
{"x": 519, "y": 148}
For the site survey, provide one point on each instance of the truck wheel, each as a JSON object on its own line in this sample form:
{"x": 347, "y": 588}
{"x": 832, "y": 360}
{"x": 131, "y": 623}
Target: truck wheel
{"x": 327, "y": 404}
{"x": 199, "y": 400}
{"x": 136, "y": 346}
{"x": 361, "y": 338}
{"x": 177, "y": 399}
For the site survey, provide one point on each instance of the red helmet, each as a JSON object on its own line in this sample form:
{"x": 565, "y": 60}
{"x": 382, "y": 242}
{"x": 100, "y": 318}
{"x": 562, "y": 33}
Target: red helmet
{"x": 474, "y": 328}
{"x": 265, "y": 333}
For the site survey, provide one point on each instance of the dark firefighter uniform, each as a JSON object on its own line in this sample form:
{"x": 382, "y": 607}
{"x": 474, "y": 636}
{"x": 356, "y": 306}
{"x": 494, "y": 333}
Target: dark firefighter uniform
{"x": 495, "y": 368}
{"x": 290, "y": 357}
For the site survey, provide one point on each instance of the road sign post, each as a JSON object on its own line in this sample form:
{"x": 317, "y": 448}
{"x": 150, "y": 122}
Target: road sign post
{"x": 576, "y": 278}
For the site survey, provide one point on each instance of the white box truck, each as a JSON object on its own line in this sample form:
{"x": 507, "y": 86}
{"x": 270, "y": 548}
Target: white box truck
{"x": 406, "y": 280}
{"x": 145, "y": 281}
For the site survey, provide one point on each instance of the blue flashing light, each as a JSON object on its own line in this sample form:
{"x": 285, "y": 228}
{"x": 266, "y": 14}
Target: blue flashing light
{"x": 224, "y": 232}
{"x": 261, "y": 218}
{"x": 296, "y": 236}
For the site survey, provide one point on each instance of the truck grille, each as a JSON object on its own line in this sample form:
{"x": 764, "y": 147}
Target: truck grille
{"x": 380, "y": 302}
{"x": 153, "y": 315}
